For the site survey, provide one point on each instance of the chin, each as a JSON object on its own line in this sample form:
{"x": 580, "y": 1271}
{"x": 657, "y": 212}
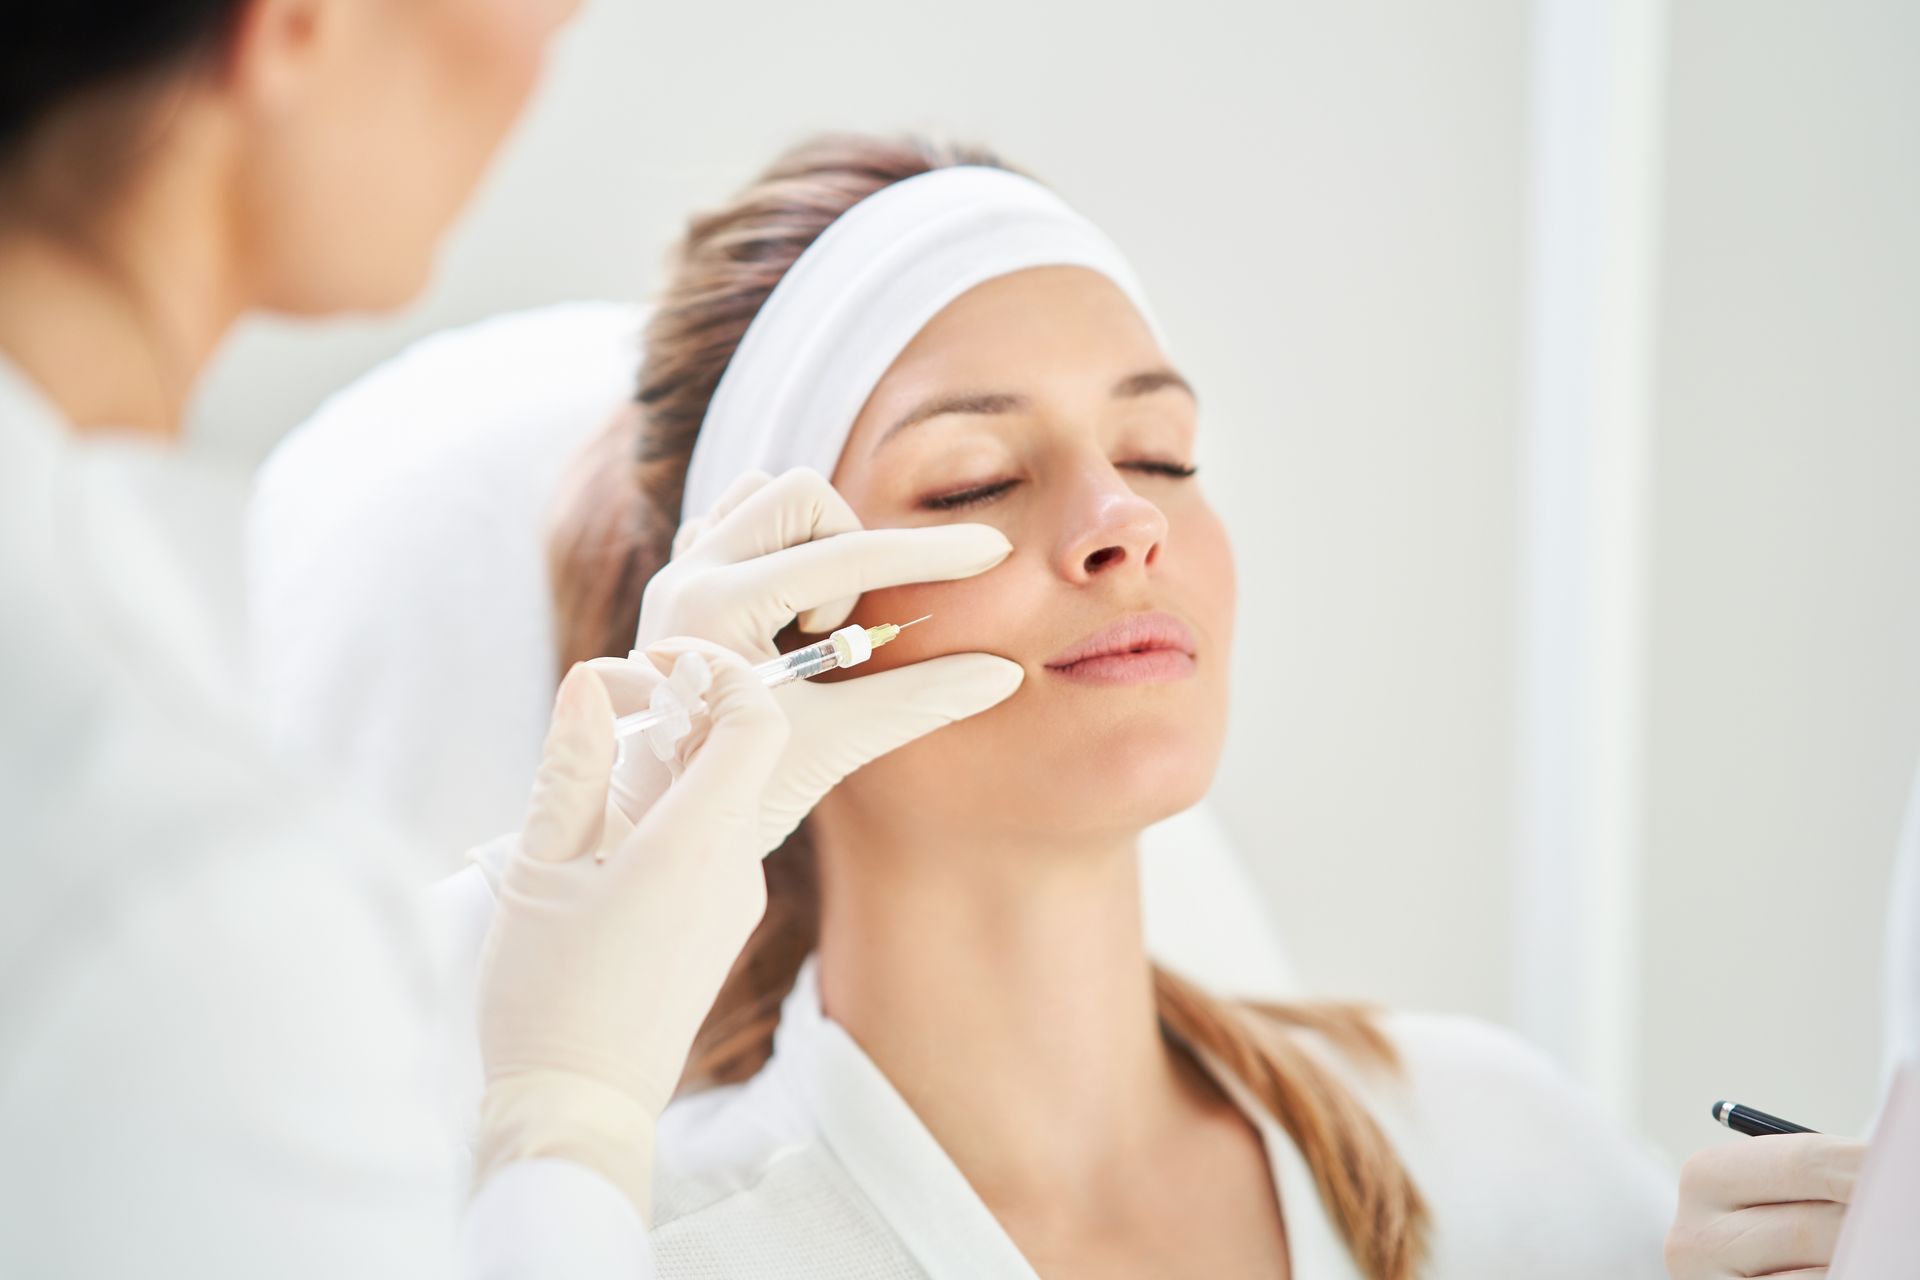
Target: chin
{"x": 1147, "y": 773}
{"x": 1117, "y": 780}
{"x": 1032, "y": 773}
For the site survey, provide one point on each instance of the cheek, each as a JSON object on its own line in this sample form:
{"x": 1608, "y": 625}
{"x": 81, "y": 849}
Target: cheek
{"x": 1203, "y": 565}
{"x": 1055, "y": 758}
{"x": 972, "y": 615}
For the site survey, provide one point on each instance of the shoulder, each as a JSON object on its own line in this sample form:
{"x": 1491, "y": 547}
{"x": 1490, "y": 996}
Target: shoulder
{"x": 1468, "y": 1061}
{"x": 1513, "y": 1157}
{"x": 726, "y": 1143}
{"x": 744, "y": 1185}
{"x": 1472, "y": 1061}
{"x": 1464, "y": 1078}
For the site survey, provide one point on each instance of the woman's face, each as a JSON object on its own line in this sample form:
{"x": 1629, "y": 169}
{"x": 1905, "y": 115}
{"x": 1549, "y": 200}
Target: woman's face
{"x": 368, "y": 129}
{"x": 1041, "y": 403}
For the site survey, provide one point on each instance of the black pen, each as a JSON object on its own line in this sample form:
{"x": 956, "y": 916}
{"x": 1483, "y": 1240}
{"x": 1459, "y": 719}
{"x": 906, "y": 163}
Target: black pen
{"x": 1755, "y": 1124}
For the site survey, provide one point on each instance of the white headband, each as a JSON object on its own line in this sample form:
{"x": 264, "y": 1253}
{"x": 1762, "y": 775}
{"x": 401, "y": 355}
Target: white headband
{"x": 849, "y": 306}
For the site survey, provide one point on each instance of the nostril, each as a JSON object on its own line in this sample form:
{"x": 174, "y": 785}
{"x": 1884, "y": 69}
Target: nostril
{"x": 1105, "y": 556}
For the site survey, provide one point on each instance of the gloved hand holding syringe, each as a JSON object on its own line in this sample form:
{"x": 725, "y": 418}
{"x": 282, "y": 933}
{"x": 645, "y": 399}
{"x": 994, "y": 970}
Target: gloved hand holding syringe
{"x": 786, "y": 551}
{"x": 675, "y": 701}
{"x": 621, "y": 869}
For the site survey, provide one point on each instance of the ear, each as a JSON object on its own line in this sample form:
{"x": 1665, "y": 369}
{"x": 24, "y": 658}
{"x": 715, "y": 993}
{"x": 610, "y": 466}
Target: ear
{"x": 275, "y": 45}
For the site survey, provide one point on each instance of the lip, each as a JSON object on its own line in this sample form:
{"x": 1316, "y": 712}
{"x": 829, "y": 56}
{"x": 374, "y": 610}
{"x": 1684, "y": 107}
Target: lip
{"x": 1141, "y": 648}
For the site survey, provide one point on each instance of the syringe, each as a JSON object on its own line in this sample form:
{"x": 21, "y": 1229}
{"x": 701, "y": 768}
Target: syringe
{"x": 671, "y": 719}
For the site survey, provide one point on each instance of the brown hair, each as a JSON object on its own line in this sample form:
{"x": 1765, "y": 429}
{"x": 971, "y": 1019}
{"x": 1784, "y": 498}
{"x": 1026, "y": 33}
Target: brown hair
{"x": 616, "y": 531}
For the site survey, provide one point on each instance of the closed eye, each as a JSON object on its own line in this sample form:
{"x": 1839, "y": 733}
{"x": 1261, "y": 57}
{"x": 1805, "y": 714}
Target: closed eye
{"x": 979, "y": 495}
{"x": 1176, "y": 470}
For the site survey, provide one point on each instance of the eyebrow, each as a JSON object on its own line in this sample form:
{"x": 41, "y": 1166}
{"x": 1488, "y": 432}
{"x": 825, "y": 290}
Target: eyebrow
{"x": 988, "y": 403}
{"x": 1143, "y": 384}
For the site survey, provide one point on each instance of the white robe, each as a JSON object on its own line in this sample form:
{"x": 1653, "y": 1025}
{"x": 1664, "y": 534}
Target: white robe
{"x": 816, "y": 1169}
{"x": 220, "y": 1050}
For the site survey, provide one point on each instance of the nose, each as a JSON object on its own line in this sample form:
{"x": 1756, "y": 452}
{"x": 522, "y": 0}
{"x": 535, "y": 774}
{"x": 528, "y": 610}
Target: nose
{"x": 1108, "y": 529}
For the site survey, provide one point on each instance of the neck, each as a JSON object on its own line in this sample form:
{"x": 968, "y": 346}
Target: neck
{"x": 113, "y": 308}
{"x": 1006, "y": 993}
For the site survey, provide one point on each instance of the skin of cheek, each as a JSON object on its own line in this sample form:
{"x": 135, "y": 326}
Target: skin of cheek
{"x": 1057, "y": 759}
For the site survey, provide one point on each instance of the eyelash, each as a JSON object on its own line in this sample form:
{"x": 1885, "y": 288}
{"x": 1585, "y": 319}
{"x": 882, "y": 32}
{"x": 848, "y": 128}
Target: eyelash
{"x": 983, "y": 494}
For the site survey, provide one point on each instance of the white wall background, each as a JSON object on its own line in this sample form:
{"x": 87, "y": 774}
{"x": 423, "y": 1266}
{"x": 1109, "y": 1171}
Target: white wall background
{"x": 1330, "y": 203}
{"x": 1784, "y": 607}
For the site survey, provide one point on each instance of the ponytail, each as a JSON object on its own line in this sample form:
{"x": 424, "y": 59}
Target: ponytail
{"x": 1367, "y": 1191}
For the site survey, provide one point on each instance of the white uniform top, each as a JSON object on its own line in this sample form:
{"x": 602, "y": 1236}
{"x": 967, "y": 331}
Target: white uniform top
{"x": 219, "y": 1048}
{"x": 816, "y": 1169}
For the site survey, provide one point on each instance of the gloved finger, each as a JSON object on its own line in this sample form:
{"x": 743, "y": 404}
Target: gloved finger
{"x": 629, "y": 681}
{"x": 638, "y": 779}
{"x": 685, "y": 692}
{"x": 689, "y": 534}
{"x": 686, "y": 537}
{"x": 832, "y": 614}
{"x": 1772, "y": 1238}
{"x": 795, "y": 507}
{"x": 663, "y": 653}
{"x": 667, "y": 655}
{"x": 872, "y": 715}
{"x": 718, "y": 605}
{"x": 1778, "y": 1169}
{"x": 820, "y": 581}
{"x": 744, "y": 486}
{"x": 718, "y": 797}
{"x": 569, "y": 799}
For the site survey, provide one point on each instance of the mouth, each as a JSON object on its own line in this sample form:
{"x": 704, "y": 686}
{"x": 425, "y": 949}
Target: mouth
{"x": 1141, "y": 648}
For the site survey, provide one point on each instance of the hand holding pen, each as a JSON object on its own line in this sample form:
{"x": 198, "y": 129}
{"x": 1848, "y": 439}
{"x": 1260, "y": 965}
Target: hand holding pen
{"x": 1766, "y": 1208}
{"x": 1755, "y": 1124}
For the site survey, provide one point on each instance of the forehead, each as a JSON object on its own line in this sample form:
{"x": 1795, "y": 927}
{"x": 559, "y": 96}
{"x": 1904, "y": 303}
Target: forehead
{"x": 1031, "y": 324}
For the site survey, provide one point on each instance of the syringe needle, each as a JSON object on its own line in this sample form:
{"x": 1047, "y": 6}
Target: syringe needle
{"x": 887, "y": 631}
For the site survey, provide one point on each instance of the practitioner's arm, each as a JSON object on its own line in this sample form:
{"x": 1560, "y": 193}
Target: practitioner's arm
{"x": 611, "y": 939}
{"x": 233, "y": 1074}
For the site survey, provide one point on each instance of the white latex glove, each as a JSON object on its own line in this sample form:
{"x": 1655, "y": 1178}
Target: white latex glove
{"x": 1763, "y": 1207}
{"x": 610, "y": 940}
{"x": 776, "y": 549}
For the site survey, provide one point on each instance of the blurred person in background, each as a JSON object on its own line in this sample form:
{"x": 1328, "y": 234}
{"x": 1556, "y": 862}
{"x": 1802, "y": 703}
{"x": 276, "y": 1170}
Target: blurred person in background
{"x": 218, "y": 1002}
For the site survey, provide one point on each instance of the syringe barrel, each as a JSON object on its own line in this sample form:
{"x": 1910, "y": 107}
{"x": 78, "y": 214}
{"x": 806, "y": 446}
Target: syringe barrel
{"x": 848, "y": 647}
{"x": 801, "y": 664}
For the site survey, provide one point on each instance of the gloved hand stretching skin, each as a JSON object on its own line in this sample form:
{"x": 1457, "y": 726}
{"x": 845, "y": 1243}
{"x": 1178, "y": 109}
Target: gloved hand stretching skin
{"x": 610, "y": 940}
{"x": 773, "y": 550}
{"x": 1763, "y": 1206}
